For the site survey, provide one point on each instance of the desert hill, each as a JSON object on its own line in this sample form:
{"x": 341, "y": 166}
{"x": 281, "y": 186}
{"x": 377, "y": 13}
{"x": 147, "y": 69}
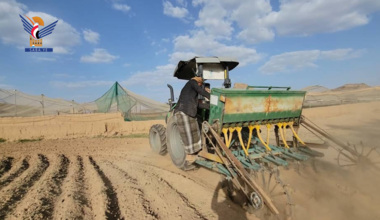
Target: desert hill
{"x": 315, "y": 88}
{"x": 353, "y": 86}
{"x": 346, "y": 94}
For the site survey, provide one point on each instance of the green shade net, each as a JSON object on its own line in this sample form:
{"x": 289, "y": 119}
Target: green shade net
{"x": 133, "y": 106}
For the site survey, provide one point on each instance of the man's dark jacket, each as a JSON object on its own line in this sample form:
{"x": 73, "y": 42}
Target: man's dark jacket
{"x": 188, "y": 100}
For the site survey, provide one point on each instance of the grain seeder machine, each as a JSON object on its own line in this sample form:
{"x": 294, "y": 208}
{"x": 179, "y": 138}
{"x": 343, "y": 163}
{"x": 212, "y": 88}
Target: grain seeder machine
{"x": 236, "y": 134}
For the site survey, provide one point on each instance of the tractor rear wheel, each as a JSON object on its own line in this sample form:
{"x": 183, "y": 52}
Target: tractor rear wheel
{"x": 157, "y": 139}
{"x": 175, "y": 145}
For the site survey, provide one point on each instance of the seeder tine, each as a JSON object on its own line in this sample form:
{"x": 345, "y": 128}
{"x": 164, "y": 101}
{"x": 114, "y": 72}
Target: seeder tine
{"x": 295, "y": 133}
{"x": 282, "y": 133}
{"x": 311, "y": 152}
{"x": 292, "y": 154}
{"x": 276, "y": 160}
{"x": 252, "y": 165}
{"x": 271, "y": 157}
{"x": 257, "y": 127}
{"x": 216, "y": 167}
{"x": 295, "y": 155}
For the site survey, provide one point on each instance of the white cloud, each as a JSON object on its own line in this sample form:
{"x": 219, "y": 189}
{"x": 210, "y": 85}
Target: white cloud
{"x": 99, "y": 56}
{"x": 202, "y": 44}
{"x": 257, "y": 22}
{"x": 63, "y": 38}
{"x": 152, "y": 83}
{"x": 199, "y": 42}
{"x": 243, "y": 54}
{"x": 91, "y": 36}
{"x": 250, "y": 17}
{"x": 182, "y": 2}
{"x": 293, "y": 61}
{"x": 165, "y": 40}
{"x": 121, "y": 7}
{"x": 176, "y": 12}
{"x": 213, "y": 20}
{"x": 298, "y": 17}
{"x": 341, "y": 54}
{"x": 162, "y": 51}
{"x": 80, "y": 84}
{"x": 49, "y": 59}
{"x": 158, "y": 77}
{"x": 62, "y": 50}
{"x": 10, "y": 26}
{"x": 225, "y": 27}
{"x": 62, "y": 75}
{"x": 218, "y": 18}
{"x": 177, "y": 56}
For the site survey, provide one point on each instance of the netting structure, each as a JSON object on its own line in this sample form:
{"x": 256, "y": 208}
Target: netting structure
{"x": 133, "y": 107}
{"x": 14, "y": 103}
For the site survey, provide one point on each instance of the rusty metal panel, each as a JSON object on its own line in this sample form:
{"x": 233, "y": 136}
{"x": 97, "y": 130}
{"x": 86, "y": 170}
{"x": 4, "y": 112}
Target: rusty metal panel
{"x": 255, "y": 105}
{"x": 265, "y": 103}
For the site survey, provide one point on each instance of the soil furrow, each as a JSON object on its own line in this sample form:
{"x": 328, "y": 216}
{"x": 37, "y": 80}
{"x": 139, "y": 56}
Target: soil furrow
{"x": 79, "y": 193}
{"x": 176, "y": 173}
{"x": 5, "y": 165}
{"x": 94, "y": 190}
{"x": 20, "y": 191}
{"x": 72, "y": 202}
{"x": 46, "y": 209}
{"x": 183, "y": 197}
{"x": 24, "y": 166}
{"x": 157, "y": 190}
{"x": 145, "y": 203}
{"x": 113, "y": 210}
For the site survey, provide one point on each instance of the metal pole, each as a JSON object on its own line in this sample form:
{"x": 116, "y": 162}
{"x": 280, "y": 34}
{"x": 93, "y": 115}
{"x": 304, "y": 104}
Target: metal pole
{"x": 15, "y": 104}
{"x": 73, "y": 105}
{"x": 117, "y": 96}
{"x": 43, "y": 104}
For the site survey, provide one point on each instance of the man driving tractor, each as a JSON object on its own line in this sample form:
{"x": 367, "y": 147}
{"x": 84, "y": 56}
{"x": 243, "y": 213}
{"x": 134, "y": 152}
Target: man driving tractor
{"x": 186, "y": 111}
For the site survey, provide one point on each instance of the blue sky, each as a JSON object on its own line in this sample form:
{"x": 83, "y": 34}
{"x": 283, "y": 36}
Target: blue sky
{"x": 293, "y": 43}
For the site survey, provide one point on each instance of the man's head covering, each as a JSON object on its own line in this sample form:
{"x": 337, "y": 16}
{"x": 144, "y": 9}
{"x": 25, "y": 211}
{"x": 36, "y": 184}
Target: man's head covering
{"x": 198, "y": 79}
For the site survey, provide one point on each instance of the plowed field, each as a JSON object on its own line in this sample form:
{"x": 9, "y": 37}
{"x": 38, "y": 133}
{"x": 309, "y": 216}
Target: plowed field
{"x": 121, "y": 178}
{"x": 94, "y": 178}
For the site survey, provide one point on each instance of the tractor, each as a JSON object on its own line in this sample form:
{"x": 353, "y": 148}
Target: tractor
{"x": 236, "y": 131}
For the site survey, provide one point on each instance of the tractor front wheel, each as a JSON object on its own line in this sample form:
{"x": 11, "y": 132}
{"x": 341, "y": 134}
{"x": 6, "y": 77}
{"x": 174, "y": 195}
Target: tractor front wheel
{"x": 157, "y": 139}
{"x": 175, "y": 145}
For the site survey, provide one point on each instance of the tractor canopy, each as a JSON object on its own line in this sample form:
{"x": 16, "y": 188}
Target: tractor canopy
{"x": 206, "y": 67}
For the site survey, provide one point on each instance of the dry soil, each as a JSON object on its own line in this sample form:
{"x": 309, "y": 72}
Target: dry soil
{"x": 121, "y": 178}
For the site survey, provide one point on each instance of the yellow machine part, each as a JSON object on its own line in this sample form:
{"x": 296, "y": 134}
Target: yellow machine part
{"x": 228, "y": 133}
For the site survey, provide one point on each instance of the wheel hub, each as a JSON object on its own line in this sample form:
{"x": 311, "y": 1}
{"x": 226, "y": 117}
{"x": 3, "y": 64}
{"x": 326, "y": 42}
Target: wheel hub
{"x": 255, "y": 200}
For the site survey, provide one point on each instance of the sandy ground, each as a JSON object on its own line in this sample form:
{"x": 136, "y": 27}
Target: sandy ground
{"x": 71, "y": 126}
{"x": 121, "y": 178}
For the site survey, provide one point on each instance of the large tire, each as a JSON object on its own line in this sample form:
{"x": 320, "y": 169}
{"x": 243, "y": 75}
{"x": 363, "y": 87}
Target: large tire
{"x": 175, "y": 146}
{"x": 157, "y": 139}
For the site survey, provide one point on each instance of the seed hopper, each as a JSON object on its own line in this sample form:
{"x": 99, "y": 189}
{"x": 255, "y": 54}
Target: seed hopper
{"x": 247, "y": 133}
